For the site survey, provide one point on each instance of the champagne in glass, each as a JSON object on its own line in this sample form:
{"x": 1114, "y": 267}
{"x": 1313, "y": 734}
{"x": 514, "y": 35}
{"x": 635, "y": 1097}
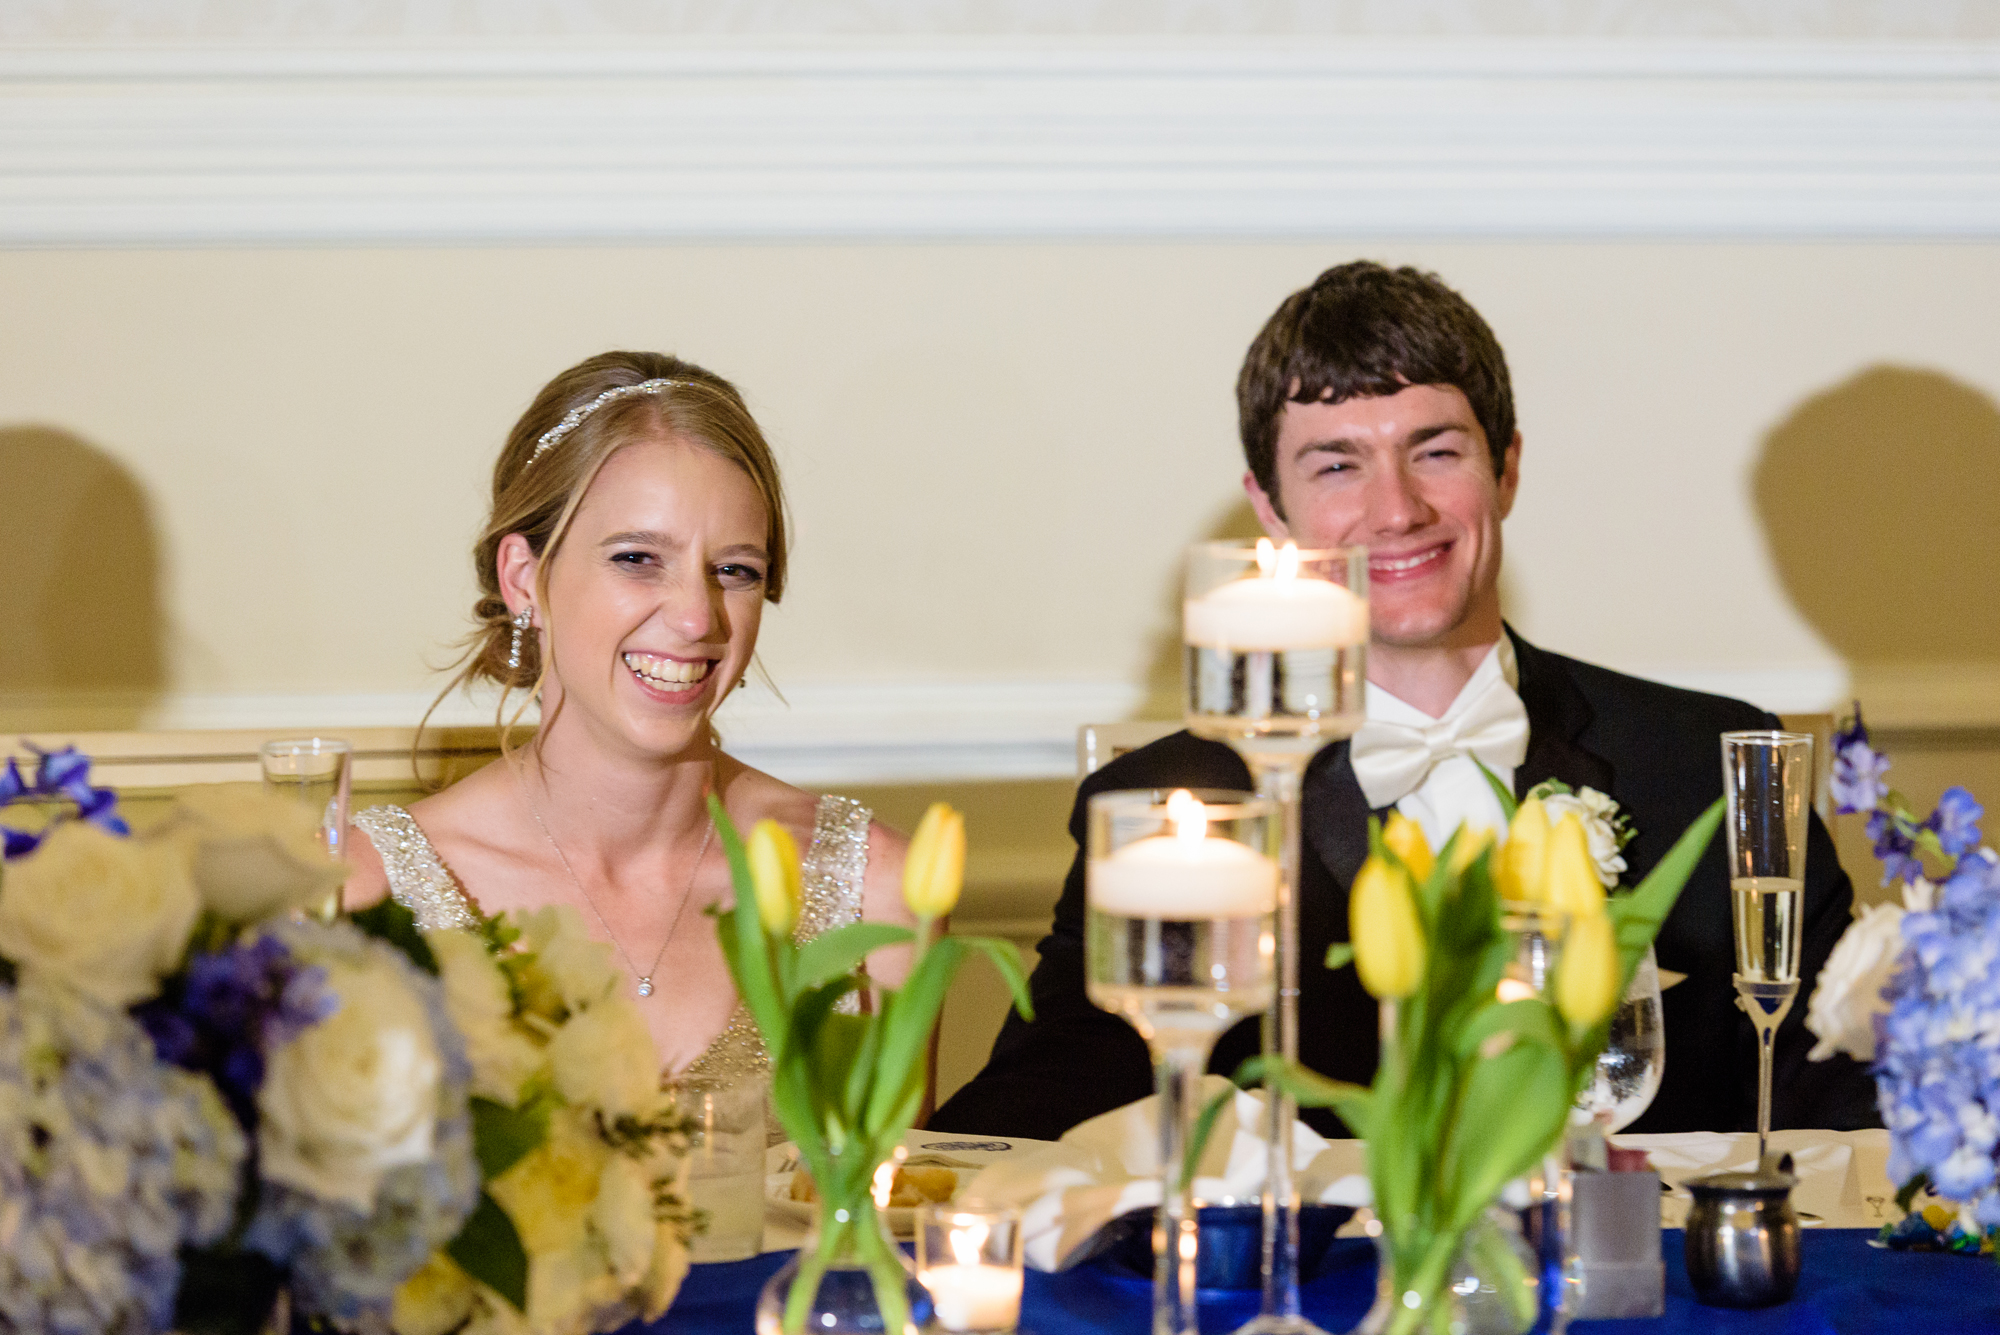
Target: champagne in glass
{"x": 318, "y": 773}
{"x": 1767, "y": 778}
{"x": 1277, "y": 648}
{"x": 1179, "y": 939}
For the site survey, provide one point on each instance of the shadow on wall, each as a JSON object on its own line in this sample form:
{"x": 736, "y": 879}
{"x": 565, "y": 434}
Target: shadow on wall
{"x": 1164, "y": 693}
{"x": 80, "y": 625}
{"x": 1880, "y": 499}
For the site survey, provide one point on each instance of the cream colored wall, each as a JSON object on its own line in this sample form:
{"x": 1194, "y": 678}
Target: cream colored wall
{"x": 257, "y": 473}
{"x": 996, "y": 452}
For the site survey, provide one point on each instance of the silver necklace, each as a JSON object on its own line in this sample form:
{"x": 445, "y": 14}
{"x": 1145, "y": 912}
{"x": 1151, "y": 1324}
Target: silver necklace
{"x": 646, "y": 978}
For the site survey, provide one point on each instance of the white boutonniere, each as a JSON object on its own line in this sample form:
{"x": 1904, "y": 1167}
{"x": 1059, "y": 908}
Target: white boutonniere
{"x": 1608, "y": 828}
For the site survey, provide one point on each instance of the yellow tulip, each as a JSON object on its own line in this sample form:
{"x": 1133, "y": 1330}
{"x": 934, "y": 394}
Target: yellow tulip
{"x": 1405, "y": 838}
{"x": 1524, "y": 859}
{"x": 1571, "y": 873}
{"x": 934, "y": 868}
{"x": 1587, "y": 976}
{"x": 774, "y": 876}
{"x": 1382, "y": 924}
{"x": 1471, "y": 843}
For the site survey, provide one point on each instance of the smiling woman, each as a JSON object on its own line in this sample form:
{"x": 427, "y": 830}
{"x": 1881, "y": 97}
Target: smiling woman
{"x": 637, "y": 530}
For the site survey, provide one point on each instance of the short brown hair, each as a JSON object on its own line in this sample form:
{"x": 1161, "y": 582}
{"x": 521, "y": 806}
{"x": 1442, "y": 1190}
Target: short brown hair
{"x": 1364, "y": 330}
{"x": 538, "y": 497}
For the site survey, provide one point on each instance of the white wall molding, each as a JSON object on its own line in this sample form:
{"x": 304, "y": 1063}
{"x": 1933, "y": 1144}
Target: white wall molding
{"x": 1000, "y": 139}
{"x": 920, "y": 730}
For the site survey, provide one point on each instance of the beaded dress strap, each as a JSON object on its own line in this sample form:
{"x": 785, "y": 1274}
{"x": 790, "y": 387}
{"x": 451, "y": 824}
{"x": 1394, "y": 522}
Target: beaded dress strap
{"x": 418, "y": 878}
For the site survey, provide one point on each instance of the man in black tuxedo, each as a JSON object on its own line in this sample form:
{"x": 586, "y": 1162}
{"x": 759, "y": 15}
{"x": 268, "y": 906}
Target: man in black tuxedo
{"x": 1375, "y": 409}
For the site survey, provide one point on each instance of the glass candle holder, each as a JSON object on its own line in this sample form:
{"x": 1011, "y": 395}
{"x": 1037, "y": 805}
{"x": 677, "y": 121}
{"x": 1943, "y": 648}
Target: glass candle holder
{"x": 969, "y": 1258}
{"x": 318, "y": 773}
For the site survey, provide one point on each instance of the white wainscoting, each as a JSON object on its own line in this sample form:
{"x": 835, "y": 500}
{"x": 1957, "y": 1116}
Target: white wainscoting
{"x": 1000, "y": 138}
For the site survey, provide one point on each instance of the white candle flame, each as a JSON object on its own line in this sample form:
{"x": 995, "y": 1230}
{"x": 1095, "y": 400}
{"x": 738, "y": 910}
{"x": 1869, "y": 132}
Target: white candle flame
{"x": 967, "y": 1240}
{"x": 1190, "y": 818}
{"x": 1277, "y": 562}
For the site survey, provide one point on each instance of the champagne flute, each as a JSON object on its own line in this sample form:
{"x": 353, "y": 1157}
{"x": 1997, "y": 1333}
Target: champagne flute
{"x": 1767, "y": 777}
{"x": 1180, "y": 941}
{"x": 1277, "y": 653}
{"x": 318, "y": 773}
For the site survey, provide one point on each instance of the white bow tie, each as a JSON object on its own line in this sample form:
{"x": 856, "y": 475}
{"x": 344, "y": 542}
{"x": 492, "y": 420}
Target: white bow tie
{"x": 1391, "y": 760}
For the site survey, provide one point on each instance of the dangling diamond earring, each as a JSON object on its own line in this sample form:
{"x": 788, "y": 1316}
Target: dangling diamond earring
{"x": 522, "y": 620}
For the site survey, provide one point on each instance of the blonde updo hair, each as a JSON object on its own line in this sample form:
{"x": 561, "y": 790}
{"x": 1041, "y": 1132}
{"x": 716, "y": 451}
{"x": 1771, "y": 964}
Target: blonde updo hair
{"x": 538, "y": 497}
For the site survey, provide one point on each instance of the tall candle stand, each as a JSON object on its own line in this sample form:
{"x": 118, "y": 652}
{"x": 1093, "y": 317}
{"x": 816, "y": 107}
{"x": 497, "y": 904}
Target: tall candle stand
{"x": 1277, "y": 644}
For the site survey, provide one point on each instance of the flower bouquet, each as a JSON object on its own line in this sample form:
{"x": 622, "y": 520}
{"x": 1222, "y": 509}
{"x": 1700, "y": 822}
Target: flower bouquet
{"x": 583, "y": 1225}
{"x": 204, "y": 1097}
{"x": 1482, "y": 1059}
{"x": 846, "y": 1086}
{"x": 1915, "y": 990}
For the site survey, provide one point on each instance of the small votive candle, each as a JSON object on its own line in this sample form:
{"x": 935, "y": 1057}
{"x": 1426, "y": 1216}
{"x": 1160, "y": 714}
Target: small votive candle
{"x": 969, "y": 1259}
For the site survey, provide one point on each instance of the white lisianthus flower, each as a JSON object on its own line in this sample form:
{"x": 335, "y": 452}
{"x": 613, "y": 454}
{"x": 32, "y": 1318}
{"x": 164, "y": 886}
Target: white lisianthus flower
{"x": 580, "y": 968}
{"x": 437, "y": 1300}
{"x": 1848, "y": 996}
{"x": 255, "y": 855}
{"x": 623, "y": 1218}
{"x": 354, "y": 1095}
{"x": 1596, "y": 812}
{"x": 109, "y": 916}
{"x": 479, "y": 1003}
{"x": 604, "y": 1059}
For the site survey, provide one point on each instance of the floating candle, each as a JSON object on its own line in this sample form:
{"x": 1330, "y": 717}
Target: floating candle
{"x": 1184, "y": 876}
{"x": 1276, "y": 610}
{"x": 980, "y": 1298}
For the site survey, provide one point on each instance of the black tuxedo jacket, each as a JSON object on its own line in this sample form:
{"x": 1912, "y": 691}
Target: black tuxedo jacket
{"x": 1652, "y": 747}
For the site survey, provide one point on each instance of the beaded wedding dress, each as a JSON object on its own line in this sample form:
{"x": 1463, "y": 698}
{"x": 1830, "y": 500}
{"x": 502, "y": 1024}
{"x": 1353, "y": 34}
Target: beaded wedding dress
{"x": 833, "y": 867}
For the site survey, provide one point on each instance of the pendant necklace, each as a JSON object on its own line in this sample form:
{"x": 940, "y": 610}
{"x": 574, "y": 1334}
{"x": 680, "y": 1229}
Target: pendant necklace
{"x": 646, "y": 978}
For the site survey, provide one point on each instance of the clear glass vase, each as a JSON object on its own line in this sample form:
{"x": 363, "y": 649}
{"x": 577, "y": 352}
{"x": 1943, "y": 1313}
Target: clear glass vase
{"x": 1514, "y": 1273}
{"x": 845, "y": 1303}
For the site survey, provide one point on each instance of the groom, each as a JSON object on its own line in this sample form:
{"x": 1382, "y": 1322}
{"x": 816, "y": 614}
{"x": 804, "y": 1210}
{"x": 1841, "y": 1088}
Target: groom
{"x": 1375, "y": 409}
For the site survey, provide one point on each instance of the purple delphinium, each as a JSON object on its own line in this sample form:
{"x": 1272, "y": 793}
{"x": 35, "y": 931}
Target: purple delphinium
{"x": 1956, "y": 821}
{"x": 1857, "y": 770}
{"x": 230, "y": 1008}
{"x": 60, "y": 776}
{"x": 1894, "y": 844}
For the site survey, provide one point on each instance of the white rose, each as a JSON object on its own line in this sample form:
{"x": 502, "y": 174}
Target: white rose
{"x": 481, "y": 1007}
{"x": 256, "y": 855}
{"x": 109, "y": 916}
{"x": 580, "y": 968}
{"x": 604, "y": 1059}
{"x": 1594, "y": 810}
{"x": 623, "y": 1218}
{"x": 356, "y": 1094}
{"x": 1849, "y": 994}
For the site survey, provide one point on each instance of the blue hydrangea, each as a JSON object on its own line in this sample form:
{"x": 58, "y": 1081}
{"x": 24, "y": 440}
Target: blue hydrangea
{"x": 1938, "y": 1072}
{"x": 346, "y": 1265}
{"x": 110, "y": 1162}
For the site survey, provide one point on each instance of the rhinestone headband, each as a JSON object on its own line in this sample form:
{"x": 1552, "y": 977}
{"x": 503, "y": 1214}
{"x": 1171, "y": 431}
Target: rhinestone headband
{"x": 571, "y": 419}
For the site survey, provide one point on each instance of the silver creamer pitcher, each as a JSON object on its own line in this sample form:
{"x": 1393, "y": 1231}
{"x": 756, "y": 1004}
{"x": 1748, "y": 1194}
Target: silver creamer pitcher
{"x": 1743, "y": 1236}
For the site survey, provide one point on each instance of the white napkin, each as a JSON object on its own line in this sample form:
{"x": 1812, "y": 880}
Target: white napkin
{"x": 1843, "y": 1175}
{"x": 1110, "y": 1166}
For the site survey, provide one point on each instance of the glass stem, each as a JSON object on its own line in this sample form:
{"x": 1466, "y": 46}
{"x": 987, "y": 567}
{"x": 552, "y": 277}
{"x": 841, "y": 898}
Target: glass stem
{"x": 1766, "y": 1004}
{"x": 1177, "y": 1071}
{"x": 1282, "y": 780}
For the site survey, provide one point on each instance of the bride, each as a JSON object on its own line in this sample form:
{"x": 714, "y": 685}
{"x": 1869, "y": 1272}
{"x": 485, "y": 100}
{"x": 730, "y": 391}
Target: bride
{"x": 637, "y": 530}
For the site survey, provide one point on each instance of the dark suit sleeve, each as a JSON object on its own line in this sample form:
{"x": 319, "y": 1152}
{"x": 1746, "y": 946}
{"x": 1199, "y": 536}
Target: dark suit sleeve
{"x": 1074, "y": 1061}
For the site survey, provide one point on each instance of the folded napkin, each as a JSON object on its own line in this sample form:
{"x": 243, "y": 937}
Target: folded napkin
{"x": 1110, "y": 1166}
{"x": 1843, "y": 1175}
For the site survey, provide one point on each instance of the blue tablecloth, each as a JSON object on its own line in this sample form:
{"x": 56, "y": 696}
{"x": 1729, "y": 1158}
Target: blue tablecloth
{"x": 1848, "y": 1287}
